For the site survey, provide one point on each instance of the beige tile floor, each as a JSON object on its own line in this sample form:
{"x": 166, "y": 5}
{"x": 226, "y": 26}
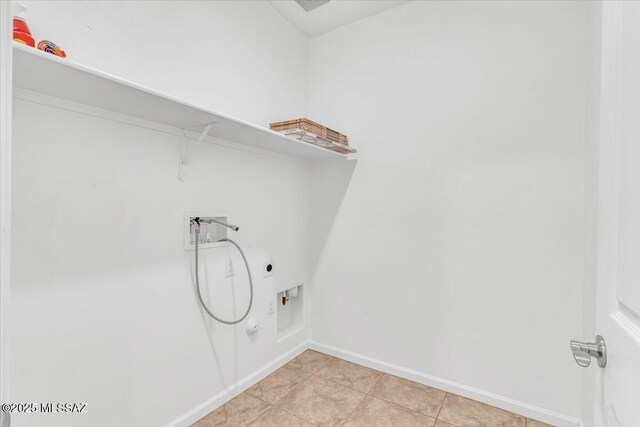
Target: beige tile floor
{"x": 319, "y": 390}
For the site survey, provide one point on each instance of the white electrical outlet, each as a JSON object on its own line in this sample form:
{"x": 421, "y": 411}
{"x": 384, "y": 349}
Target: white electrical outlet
{"x": 271, "y": 305}
{"x": 228, "y": 267}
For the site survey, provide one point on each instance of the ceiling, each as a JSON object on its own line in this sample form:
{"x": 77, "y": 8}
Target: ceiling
{"x": 334, "y": 14}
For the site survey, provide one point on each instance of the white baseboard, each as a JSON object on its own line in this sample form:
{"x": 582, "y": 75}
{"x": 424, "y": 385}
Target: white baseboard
{"x": 521, "y": 408}
{"x": 226, "y": 395}
{"x": 511, "y": 405}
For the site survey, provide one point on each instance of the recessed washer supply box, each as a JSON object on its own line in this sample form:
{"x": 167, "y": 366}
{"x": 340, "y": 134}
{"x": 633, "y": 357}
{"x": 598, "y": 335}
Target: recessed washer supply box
{"x": 290, "y": 314}
{"x": 209, "y": 233}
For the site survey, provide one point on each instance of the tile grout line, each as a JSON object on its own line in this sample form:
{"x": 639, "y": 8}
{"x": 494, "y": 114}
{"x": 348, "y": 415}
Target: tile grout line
{"x": 364, "y": 398}
{"x": 483, "y": 404}
{"x": 275, "y": 405}
{"x": 255, "y": 397}
{"x": 292, "y": 390}
{"x": 311, "y": 374}
{"x": 335, "y": 382}
{"x": 378, "y": 397}
{"x": 279, "y": 400}
{"x": 271, "y": 406}
{"x": 381, "y": 398}
{"x": 437, "y": 417}
{"x": 342, "y": 385}
{"x": 262, "y": 413}
{"x": 332, "y": 359}
{"x": 442, "y": 405}
{"x": 402, "y": 406}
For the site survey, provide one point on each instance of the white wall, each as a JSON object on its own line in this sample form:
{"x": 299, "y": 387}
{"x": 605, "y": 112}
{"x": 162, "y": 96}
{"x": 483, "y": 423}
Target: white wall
{"x": 454, "y": 248}
{"x": 457, "y": 249}
{"x": 238, "y": 57}
{"x": 104, "y": 309}
{"x": 6, "y": 88}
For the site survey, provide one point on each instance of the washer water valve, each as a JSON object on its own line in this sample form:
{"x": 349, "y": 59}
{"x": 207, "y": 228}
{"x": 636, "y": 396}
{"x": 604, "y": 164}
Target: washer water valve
{"x": 288, "y": 294}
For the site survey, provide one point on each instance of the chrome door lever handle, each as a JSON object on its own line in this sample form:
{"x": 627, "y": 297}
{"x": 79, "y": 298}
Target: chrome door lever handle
{"x": 584, "y": 351}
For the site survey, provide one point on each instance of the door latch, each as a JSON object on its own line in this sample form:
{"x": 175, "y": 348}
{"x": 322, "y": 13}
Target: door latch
{"x": 584, "y": 351}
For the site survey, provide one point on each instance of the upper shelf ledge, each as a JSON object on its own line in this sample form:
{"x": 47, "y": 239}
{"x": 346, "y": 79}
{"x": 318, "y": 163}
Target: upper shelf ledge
{"x": 44, "y": 73}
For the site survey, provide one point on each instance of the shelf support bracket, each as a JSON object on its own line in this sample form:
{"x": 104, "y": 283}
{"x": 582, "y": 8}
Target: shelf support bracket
{"x": 185, "y": 154}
